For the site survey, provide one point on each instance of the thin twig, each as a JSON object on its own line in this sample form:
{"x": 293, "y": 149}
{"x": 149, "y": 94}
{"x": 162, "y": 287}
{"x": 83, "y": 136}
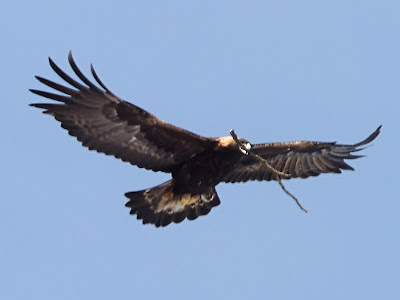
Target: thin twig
{"x": 278, "y": 174}
{"x": 248, "y": 152}
{"x": 290, "y": 194}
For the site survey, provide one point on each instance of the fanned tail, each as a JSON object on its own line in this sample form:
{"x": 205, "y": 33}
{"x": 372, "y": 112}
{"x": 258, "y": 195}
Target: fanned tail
{"x": 160, "y": 206}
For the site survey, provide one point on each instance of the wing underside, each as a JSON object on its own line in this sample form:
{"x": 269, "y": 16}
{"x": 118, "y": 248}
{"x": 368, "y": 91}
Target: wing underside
{"x": 300, "y": 159}
{"x": 105, "y": 123}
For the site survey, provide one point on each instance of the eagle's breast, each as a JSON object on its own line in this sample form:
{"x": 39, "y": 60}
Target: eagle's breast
{"x": 205, "y": 169}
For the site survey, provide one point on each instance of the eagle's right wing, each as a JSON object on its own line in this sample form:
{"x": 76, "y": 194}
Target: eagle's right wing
{"x": 108, "y": 124}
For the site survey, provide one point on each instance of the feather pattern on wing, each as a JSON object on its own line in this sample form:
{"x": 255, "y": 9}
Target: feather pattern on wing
{"x": 299, "y": 159}
{"x": 108, "y": 124}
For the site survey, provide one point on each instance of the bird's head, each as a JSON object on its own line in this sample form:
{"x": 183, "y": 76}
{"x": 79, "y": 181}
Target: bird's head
{"x": 246, "y": 144}
{"x": 228, "y": 142}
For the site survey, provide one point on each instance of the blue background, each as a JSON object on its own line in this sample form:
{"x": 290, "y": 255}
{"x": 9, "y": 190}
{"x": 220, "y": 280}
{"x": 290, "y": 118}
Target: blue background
{"x": 273, "y": 71}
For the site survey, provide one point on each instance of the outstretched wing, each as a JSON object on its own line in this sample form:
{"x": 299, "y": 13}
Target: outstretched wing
{"x": 107, "y": 124}
{"x": 299, "y": 159}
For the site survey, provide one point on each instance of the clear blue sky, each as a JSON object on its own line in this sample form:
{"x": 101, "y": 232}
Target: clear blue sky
{"x": 273, "y": 71}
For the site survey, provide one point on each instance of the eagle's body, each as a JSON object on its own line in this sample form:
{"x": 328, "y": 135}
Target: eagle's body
{"x": 206, "y": 168}
{"x": 107, "y": 124}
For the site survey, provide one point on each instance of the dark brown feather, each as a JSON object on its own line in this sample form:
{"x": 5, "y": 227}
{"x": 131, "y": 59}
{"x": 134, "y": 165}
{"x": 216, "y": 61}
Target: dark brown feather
{"x": 161, "y": 206}
{"x": 299, "y": 159}
{"x": 106, "y": 123}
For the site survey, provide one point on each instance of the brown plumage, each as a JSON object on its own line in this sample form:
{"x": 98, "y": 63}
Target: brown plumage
{"x": 103, "y": 122}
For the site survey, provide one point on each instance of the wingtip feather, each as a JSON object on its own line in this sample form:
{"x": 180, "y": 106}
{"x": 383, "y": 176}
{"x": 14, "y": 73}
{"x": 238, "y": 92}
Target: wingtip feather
{"x": 370, "y": 138}
{"x": 70, "y": 57}
{"x": 96, "y": 77}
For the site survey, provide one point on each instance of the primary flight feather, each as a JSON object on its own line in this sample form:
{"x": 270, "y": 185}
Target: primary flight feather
{"x": 103, "y": 122}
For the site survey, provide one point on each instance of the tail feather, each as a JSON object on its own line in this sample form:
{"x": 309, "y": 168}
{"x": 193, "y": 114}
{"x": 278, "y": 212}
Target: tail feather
{"x": 160, "y": 206}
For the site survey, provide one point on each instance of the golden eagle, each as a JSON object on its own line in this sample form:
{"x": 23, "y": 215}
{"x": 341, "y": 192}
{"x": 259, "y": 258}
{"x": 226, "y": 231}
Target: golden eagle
{"x": 103, "y": 122}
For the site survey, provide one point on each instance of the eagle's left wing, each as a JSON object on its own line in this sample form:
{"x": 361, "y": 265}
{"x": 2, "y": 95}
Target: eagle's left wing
{"x": 298, "y": 159}
{"x": 103, "y": 122}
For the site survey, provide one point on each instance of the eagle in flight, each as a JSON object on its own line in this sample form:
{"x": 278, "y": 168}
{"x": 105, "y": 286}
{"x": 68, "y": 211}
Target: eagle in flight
{"x": 103, "y": 122}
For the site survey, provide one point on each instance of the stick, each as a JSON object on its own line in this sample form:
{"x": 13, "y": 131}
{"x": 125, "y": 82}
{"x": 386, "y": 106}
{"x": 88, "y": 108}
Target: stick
{"x": 290, "y": 194}
{"x": 247, "y": 151}
{"x": 278, "y": 174}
